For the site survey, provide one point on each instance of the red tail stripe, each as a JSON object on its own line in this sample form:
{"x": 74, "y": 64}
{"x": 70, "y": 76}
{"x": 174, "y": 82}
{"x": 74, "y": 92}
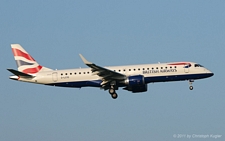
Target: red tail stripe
{"x": 17, "y": 52}
{"x": 32, "y": 70}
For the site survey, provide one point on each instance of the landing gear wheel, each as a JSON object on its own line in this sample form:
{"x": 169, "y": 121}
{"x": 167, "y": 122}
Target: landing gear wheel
{"x": 190, "y": 84}
{"x": 111, "y": 91}
{"x": 114, "y": 96}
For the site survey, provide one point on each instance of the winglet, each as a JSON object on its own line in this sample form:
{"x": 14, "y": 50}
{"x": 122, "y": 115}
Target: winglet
{"x": 85, "y": 60}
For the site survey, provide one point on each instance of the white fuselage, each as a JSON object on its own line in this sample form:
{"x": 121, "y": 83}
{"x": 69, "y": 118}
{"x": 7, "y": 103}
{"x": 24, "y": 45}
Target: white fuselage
{"x": 160, "y": 72}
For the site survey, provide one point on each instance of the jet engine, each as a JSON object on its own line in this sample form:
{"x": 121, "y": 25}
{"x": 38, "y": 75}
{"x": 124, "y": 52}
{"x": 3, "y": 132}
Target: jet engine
{"x": 135, "y": 84}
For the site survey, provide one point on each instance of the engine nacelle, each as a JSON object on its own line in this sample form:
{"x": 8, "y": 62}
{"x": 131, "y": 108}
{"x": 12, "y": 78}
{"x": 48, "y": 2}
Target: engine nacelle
{"x": 136, "y": 84}
{"x": 135, "y": 80}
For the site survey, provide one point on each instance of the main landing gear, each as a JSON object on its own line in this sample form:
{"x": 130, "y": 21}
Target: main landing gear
{"x": 190, "y": 83}
{"x": 112, "y": 90}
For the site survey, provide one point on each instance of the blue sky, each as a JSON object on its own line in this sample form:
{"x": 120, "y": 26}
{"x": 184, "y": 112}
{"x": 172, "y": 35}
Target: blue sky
{"x": 113, "y": 33}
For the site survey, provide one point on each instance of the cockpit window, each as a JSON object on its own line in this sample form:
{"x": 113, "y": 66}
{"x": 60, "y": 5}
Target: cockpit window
{"x": 198, "y": 65}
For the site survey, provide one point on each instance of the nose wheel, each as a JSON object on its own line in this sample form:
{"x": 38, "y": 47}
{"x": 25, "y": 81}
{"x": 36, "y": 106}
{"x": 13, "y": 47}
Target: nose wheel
{"x": 190, "y": 83}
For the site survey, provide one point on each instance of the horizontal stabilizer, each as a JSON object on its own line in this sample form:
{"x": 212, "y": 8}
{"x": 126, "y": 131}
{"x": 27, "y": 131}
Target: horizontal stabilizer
{"x": 18, "y": 73}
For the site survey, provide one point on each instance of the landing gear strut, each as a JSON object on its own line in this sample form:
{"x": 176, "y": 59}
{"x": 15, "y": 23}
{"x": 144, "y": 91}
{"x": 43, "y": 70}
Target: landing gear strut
{"x": 190, "y": 83}
{"x": 112, "y": 90}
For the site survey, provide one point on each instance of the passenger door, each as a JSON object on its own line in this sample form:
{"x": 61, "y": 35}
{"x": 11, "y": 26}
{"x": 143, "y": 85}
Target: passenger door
{"x": 186, "y": 68}
{"x": 55, "y": 76}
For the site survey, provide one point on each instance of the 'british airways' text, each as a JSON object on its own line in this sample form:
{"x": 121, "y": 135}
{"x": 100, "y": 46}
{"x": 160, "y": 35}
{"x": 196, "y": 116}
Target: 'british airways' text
{"x": 159, "y": 71}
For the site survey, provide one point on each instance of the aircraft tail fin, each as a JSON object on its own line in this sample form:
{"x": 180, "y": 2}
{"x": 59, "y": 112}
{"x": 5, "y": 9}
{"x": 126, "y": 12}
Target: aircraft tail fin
{"x": 25, "y": 62}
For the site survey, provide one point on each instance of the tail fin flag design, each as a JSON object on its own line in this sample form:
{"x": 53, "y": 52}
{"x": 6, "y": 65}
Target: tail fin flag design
{"x": 25, "y": 62}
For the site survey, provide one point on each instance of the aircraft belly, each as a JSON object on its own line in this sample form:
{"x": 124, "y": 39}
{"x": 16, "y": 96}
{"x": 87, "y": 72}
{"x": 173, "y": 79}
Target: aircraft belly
{"x": 78, "y": 84}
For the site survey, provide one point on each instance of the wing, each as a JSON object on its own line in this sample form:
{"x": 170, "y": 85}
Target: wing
{"x": 106, "y": 74}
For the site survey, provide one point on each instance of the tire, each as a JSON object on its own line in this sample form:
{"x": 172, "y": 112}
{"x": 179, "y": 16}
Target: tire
{"x": 111, "y": 91}
{"x": 114, "y": 96}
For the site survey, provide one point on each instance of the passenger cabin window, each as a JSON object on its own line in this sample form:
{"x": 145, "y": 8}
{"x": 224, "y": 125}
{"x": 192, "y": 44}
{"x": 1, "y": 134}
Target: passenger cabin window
{"x": 198, "y": 65}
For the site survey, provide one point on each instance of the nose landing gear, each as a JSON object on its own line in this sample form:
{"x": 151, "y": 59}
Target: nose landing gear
{"x": 190, "y": 83}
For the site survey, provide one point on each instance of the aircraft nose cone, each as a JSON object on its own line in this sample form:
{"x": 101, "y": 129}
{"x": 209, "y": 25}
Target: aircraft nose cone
{"x": 211, "y": 74}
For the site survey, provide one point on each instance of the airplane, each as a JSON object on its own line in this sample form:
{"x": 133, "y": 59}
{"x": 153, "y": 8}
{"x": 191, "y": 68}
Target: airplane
{"x": 134, "y": 78}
